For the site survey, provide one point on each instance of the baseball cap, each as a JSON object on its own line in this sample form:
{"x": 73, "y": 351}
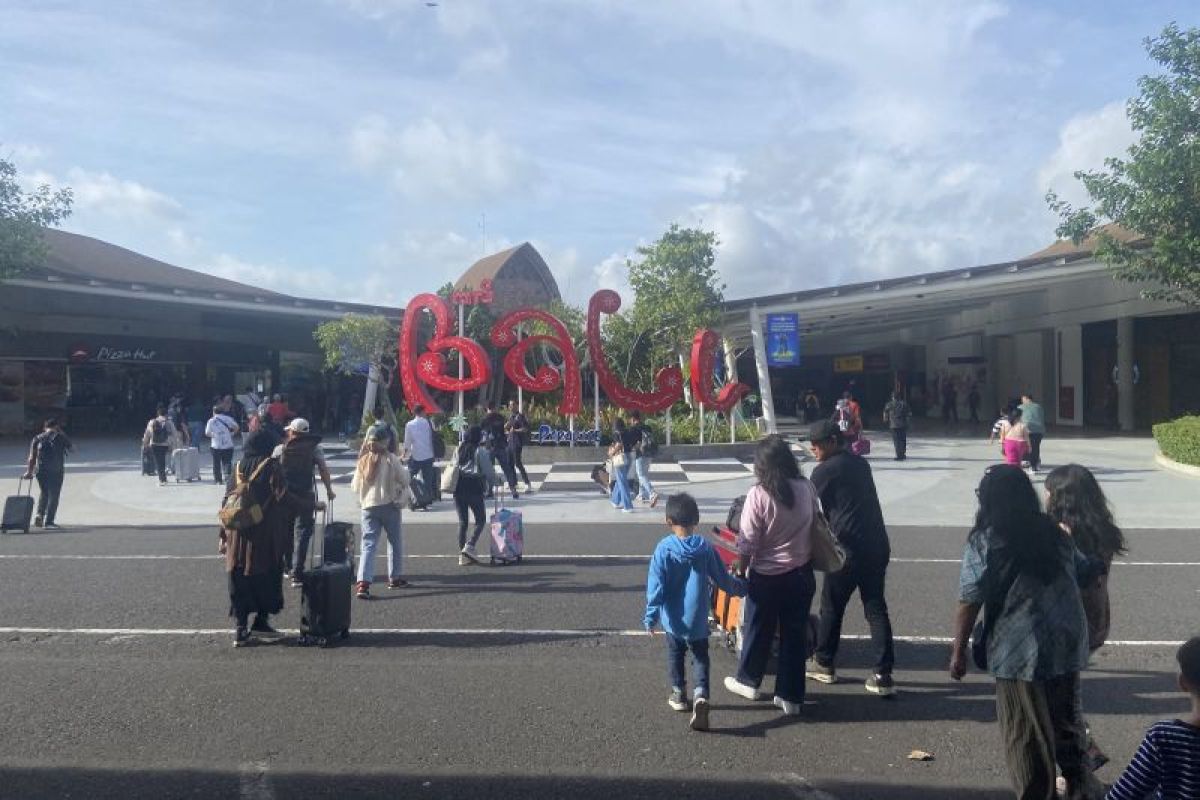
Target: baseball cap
{"x": 299, "y": 425}
{"x": 823, "y": 430}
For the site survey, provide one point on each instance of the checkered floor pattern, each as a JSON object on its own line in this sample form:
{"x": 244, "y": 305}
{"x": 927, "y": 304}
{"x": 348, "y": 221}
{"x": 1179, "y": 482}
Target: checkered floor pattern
{"x": 576, "y": 477}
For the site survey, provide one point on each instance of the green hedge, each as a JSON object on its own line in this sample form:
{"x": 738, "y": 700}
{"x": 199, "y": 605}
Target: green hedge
{"x": 1180, "y": 440}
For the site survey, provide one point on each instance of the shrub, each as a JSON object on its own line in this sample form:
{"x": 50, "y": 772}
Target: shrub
{"x": 1179, "y": 440}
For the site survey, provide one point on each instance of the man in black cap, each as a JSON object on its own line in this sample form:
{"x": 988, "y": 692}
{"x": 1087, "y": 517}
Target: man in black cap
{"x": 847, "y": 490}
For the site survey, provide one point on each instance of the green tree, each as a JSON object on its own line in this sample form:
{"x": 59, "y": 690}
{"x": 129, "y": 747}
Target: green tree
{"x": 677, "y": 291}
{"x": 1154, "y": 192}
{"x": 356, "y": 340}
{"x": 23, "y": 216}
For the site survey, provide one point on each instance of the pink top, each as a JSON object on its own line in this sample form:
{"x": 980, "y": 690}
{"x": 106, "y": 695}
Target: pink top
{"x": 777, "y": 539}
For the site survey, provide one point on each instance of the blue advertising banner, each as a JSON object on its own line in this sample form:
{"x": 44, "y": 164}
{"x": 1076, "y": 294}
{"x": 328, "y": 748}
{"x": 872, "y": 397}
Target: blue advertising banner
{"x": 783, "y": 340}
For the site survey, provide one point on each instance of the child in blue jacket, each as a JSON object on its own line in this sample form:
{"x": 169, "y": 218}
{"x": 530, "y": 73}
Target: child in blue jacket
{"x": 677, "y": 598}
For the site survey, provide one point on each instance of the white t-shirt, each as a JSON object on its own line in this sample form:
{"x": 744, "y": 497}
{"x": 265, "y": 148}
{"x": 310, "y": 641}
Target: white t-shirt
{"x": 418, "y": 438}
{"x": 220, "y": 429}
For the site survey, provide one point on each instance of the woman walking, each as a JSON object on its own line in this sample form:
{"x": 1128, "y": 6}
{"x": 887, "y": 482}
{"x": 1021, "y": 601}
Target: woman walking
{"x": 619, "y": 455}
{"x": 254, "y": 556}
{"x": 382, "y": 483}
{"x": 1076, "y": 502}
{"x": 474, "y": 479}
{"x": 1021, "y": 566}
{"x": 1014, "y": 438}
{"x": 775, "y": 548}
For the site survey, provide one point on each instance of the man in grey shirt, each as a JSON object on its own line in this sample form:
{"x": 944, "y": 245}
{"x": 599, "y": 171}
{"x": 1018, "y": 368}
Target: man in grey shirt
{"x": 1035, "y": 421}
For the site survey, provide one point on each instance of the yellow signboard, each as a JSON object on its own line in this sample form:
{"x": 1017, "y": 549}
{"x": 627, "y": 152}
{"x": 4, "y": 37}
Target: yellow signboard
{"x": 848, "y": 363}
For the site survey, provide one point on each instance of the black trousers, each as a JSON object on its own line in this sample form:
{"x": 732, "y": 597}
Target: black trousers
{"x": 514, "y": 453}
{"x": 219, "y": 458}
{"x": 160, "y": 460}
{"x": 504, "y": 459}
{"x": 471, "y": 502}
{"x": 900, "y": 441}
{"x": 868, "y": 578}
{"x": 1035, "y": 450}
{"x": 50, "y": 488}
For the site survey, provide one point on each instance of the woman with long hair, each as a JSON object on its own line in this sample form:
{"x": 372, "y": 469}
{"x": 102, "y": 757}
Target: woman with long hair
{"x": 1076, "y": 502}
{"x": 619, "y": 455}
{"x": 474, "y": 479}
{"x": 382, "y": 483}
{"x": 1020, "y": 567}
{"x": 1014, "y": 438}
{"x": 774, "y": 546}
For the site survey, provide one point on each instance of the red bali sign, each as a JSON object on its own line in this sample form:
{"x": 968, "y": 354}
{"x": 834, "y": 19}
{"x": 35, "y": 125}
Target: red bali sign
{"x": 481, "y": 296}
{"x": 421, "y": 369}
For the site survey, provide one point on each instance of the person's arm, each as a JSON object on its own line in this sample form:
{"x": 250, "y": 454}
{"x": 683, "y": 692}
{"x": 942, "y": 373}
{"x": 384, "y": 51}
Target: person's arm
{"x": 654, "y": 591}
{"x": 1142, "y": 776}
{"x": 749, "y": 531}
{"x": 725, "y": 581}
{"x": 964, "y": 622}
{"x": 323, "y": 471}
{"x": 32, "y": 462}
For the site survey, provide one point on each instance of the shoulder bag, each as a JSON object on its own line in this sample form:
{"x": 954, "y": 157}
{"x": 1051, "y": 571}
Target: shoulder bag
{"x": 450, "y": 475}
{"x": 240, "y": 510}
{"x": 827, "y": 554}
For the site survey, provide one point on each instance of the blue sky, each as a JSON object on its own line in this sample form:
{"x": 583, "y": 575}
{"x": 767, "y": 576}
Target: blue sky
{"x": 372, "y": 149}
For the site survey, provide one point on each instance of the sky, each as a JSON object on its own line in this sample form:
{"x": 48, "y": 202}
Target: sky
{"x": 368, "y": 150}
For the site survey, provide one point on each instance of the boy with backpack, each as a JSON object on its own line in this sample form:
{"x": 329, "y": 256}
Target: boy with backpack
{"x": 677, "y": 598}
{"x": 1167, "y": 764}
{"x": 644, "y": 451}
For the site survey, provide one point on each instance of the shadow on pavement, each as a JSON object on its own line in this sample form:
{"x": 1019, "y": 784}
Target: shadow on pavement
{"x": 103, "y": 784}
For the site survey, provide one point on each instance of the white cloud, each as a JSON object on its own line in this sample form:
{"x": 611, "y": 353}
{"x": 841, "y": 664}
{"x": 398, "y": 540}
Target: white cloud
{"x": 432, "y": 159}
{"x": 102, "y": 193}
{"x": 1083, "y": 144}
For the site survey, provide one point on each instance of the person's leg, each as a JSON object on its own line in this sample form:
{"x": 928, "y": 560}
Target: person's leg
{"x": 871, "y": 580}
{"x": 642, "y": 468}
{"x": 1070, "y": 736}
{"x": 676, "y": 649}
{"x": 1025, "y": 731}
{"x": 227, "y": 460}
{"x": 896, "y": 443}
{"x": 517, "y": 455}
{"x": 835, "y": 594}
{"x": 700, "y": 666}
{"x": 305, "y": 522}
{"x": 392, "y": 524}
{"x": 797, "y": 596}
{"x": 479, "y": 511}
{"x": 54, "y": 482}
{"x": 762, "y": 619}
{"x": 903, "y": 443}
{"x": 160, "y": 462}
{"x": 371, "y": 523}
{"x": 215, "y": 455}
{"x": 462, "y": 506}
{"x": 43, "y": 497}
{"x": 1035, "y": 450}
{"x": 620, "y": 495}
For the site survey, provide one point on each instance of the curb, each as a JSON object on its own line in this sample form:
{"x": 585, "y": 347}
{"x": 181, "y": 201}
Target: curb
{"x": 1175, "y": 466}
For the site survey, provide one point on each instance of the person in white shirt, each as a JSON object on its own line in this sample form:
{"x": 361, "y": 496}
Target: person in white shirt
{"x": 381, "y": 483}
{"x": 418, "y": 448}
{"x": 220, "y": 429}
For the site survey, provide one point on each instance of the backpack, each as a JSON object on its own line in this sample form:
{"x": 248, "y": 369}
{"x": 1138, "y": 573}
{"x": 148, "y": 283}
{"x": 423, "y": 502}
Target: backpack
{"x": 47, "y": 452}
{"x": 158, "y": 432}
{"x": 647, "y": 447}
{"x": 240, "y": 510}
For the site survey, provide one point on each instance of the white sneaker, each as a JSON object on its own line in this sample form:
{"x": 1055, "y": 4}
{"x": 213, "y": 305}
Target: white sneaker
{"x": 626, "y": 510}
{"x": 787, "y": 706}
{"x": 742, "y": 690}
{"x": 653, "y": 499}
{"x": 468, "y": 552}
{"x": 699, "y": 721}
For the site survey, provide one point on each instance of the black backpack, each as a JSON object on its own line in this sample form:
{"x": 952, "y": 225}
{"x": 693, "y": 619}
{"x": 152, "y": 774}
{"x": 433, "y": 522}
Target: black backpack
{"x": 646, "y": 445}
{"x": 158, "y": 432}
{"x": 733, "y": 521}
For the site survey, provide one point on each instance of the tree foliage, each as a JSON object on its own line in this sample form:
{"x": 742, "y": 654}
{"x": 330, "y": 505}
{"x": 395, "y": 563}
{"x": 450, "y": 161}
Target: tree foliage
{"x": 1153, "y": 192}
{"x": 676, "y": 288}
{"x": 23, "y": 217}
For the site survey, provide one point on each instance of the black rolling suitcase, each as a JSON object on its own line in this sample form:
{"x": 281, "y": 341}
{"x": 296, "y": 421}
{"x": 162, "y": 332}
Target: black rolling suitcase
{"x": 325, "y": 591}
{"x": 18, "y": 509}
{"x": 422, "y": 495}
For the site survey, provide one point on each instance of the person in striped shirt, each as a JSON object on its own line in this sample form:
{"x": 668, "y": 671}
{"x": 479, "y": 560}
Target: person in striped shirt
{"x": 1167, "y": 764}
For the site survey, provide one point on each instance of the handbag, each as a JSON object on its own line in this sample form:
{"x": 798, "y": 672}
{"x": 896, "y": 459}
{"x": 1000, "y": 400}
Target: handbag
{"x": 827, "y": 554}
{"x": 616, "y": 454}
{"x": 240, "y": 510}
{"x": 450, "y": 475}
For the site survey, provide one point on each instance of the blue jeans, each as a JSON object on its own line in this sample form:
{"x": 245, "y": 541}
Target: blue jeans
{"x": 196, "y": 434}
{"x": 374, "y": 519}
{"x": 778, "y": 603}
{"x": 620, "y": 492}
{"x": 302, "y": 532}
{"x": 641, "y": 466}
{"x": 676, "y": 649}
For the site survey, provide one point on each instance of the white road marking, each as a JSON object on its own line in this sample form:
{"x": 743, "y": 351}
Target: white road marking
{"x": 800, "y": 787}
{"x": 498, "y": 632}
{"x": 254, "y": 783}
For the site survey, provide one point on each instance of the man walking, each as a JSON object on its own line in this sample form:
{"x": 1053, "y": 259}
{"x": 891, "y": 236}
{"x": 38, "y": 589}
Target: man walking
{"x": 47, "y": 462}
{"x": 298, "y": 455}
{"x": 644, "y": 450}
{"x": 518, "y": 429}
{"x": 497, "y": 441}
{"x": 897, "y": 415}
{"x": 847, "y": 491}
{"x": 160, "y": 433}
{"x": 1035, "y": 422}
{"x": 220, "y": 429}
{"x": 418, "y": 448}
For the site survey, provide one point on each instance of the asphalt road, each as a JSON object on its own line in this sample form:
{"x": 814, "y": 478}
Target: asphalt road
{"x": 523, "y": 681}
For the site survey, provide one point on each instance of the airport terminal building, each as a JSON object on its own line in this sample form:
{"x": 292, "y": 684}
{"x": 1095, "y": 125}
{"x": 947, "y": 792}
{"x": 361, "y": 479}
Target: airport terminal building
{"x": 1056, "y": 324}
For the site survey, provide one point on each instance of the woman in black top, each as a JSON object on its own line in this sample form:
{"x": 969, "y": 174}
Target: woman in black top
{"x": 475, "y": 474}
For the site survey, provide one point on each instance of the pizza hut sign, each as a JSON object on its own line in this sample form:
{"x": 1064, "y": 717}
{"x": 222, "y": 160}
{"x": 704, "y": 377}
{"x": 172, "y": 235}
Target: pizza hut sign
{"x": 82, "y": 353}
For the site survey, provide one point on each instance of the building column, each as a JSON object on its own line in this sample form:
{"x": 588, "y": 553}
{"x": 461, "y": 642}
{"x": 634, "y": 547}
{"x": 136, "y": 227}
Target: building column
{"x": 764, "y": 372}
{"x": 369, "y": 396}
{"x": 1125, "y": 362}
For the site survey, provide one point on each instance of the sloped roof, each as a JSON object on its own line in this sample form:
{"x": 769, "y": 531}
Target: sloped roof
{"x": 523, "y": 255}
{"x": 78, "y": 257}
{"x": 1065, "y": 247}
